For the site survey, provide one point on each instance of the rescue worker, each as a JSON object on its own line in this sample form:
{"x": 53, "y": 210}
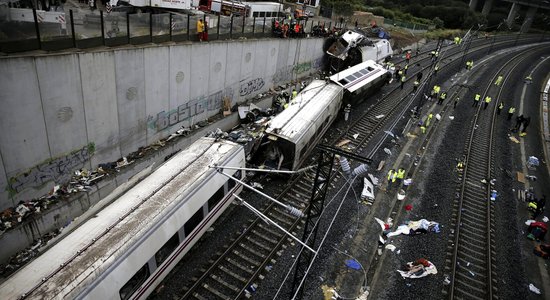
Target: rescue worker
{"x": 429, "y": 119}
{"x": 200, "y": 29}
{"x": 477, "y": 97}
{"x": 528, "y": 79}
{"x": 460, "y": 166}
{"x": 435, "y": 90}
{"x": 442, "y": 98}
{"x": 436, "y": 68}
{"x": 500, "y": 107}
{"x": 456, "y": 101}
{"x": 422, "y": 127}
{"x": 415, "y": 85}
{"x": 403, "y": 79}
{"x": 511, "y": 111}
{"x": 519, "y": 121}
{"x": 457, "y": 40}
{"x": 405, "y": 69}
{"x": 347, "y": 110}
{"x": 499, "y": 80}
{"x": 400, "y": 175}
{"x": 408, "y": 56}
{"x": 294, "y": 93}
{"x": 487, "y": 101}
{"x": 419, "y": 76}
{"x": 392, "y": 176}
{"x": 399, "y": 73}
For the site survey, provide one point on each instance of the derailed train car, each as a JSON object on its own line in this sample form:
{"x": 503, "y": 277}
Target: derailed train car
{"x": 354, "y": 47}
{"x": 295, "y": 131}
{"x": 126, "y": 249}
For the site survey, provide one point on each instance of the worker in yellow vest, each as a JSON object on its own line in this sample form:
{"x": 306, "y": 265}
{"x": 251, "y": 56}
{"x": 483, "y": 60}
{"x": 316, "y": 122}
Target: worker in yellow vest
{"x": 500, "y": 107}
{"x": 499, "y": 80}
{"x": 477, "y": 97}
{"x": 392, "y": 176}
{"x": 511, "y": 111}
{"x": 429, "y": 119}
{"x": 400, "y": 175}
{"x": 487, "y": 101}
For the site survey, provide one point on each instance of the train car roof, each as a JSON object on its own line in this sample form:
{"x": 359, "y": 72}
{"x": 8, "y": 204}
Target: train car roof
{"x": 356, "y": 77}
{"x": 293, "y": 122}
{"x": 117, "y": 226}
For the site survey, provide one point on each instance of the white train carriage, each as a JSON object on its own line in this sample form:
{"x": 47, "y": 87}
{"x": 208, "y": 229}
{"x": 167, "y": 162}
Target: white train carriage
{"x": 361, "y": 81}
{"x": 130, "y": 246}
{"x": 353, "y": 47}
{"x": 296, "y": 130}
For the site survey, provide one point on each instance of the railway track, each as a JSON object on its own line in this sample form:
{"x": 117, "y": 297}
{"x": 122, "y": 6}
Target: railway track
{"x": 233, "y": 274}
{"x": 471, "y": 255}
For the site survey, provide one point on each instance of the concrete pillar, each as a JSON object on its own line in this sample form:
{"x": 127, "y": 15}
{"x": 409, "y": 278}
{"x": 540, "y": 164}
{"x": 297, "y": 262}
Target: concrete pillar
{"x": 487, "y": 7}
{"x": 528, "y": 19}
{"x": 512, "y": 14}
{"x": 473, "y": 4}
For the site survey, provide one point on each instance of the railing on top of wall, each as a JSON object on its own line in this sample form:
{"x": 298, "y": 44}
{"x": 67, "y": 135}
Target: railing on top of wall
{"x": 51, "y": 31}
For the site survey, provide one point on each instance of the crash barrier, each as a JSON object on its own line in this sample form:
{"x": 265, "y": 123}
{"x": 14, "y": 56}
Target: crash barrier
{"x": 30, "y": 29}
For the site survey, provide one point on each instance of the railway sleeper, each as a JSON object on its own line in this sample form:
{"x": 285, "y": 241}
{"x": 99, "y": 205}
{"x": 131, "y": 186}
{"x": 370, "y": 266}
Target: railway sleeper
{"x": 471, "y": 255}
{"x": 474, "y": 241}
{"x": 225, "y": 283}
{"x": 214, "y": 291}
{"x": 246, "y": 258}
{"x": 259, "y": 244}
{"x": 473, "y": 230}
{"x": 198, "y": 296}
{"x": 240, "y": 266}
{"x": 276, "y": 233}
{"x": 264, "y": 236}
{"x": 477, "y": 282}
{"x": 467, "y": 294}
{"x": 232, "y": 274}
{"x": 280, "y": 219}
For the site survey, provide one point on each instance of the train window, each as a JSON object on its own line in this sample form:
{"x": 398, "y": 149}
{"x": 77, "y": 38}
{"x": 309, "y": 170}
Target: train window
{"x": 193, "y": 222}
{"x": 167, "y": 249}
{"x": 134, "y": 283}
{"x": 256, "y": 14}
{"x": 216, "y": 198}
{"x": 262, "y": 14}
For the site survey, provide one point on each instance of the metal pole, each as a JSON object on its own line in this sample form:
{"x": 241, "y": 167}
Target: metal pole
{"x": 244, "y": 24}
{"x": 231, "y": 28}
{"x": 188, "y": 27}
{"x": 254, "y": 25}
{"x": 128, "y": 27}
{"x": 218, "y": 27}
{"x": 291, "y": 210}
{"x": 170, "y": 30}
{"x": 263, "y": 29}
{"x": 72, "y": 27}
{"x": 265, "y": 218}
{"x": 36, "y": 27}
{"x": 102, "y": 27}
{"x": 151, "y": 27}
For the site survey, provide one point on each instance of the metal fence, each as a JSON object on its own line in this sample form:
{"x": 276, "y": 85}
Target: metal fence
{"x": 412, "y": 26}
{"x": 95, "y": 28}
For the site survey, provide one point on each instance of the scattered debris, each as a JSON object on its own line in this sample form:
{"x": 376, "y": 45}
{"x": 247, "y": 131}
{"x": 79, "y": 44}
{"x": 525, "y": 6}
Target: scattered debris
{"x": 388, "y": 151}
{"x": 408, "y": 207}
{"x": 401, "y": 195}
{"x": 380, "y": 116}
{"x": 494, "y": 195}
{"x": 390, "y": 247}
{"x": 545, "y": 219}
{"x": 418, "y": 269}
{"x": 446, "y": 280}
{"x": 257, "y": 185}
{"x": 353, "y": 264}
{"x": 534, "y": 289}
{"x": 513, "y": 139}
{"x": 355, "y": 136}
{"x": 452, "y": 117}
{"x": 416, "y": 227}
{"x": 343, "y": 142}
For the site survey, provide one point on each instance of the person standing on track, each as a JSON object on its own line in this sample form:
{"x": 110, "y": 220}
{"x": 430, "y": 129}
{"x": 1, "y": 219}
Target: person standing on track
{"x": 511, "y": 111}
{"x": 500, "y": 107}
{"x": 487, "y": 101}
{"x": 477, "y": 97}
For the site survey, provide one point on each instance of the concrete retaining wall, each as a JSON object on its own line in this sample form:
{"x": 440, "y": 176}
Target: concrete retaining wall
{"x": 60, "y": 113}
{"x": 63, "y": 112}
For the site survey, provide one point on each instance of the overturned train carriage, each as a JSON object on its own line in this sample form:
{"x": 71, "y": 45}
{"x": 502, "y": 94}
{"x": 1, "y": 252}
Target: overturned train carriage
{"x": 127, "y": 248}
{"x": 298, "y": 128}
{"x": 361, "y": 81}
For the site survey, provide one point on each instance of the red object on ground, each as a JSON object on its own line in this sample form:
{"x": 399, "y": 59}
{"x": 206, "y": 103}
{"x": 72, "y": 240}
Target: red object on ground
{"x": 408, "y": 207}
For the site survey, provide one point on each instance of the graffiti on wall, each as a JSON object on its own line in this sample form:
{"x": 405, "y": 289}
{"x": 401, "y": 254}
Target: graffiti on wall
{"x": 184, "y": 112}
{"x": 252, "y": 86}
{"x": 286, "y": 73}
{"x": 57, "y": 170}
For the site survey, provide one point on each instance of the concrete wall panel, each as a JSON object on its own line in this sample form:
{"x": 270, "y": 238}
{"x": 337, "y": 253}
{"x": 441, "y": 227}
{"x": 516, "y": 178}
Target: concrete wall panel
{"x": 157, "y": 89}
{"x": 259, "y": 71}
{"x": 218, "y": 63}
{"x": 233, "y": 70}
{"x": 97, "y": 72}
{"x": 200, "y": 74}
{"x": 272, "y": 51}
{"x": 23, "y": 138}
{"x": 62, "y": 103}
{"x": 180, "y": 82}
{"x": 5, "y": 202}
{"x": 130, "y": 91}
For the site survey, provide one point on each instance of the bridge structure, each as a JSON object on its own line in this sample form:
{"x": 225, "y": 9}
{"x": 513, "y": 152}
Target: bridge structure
{"x": 532, "y": 6}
